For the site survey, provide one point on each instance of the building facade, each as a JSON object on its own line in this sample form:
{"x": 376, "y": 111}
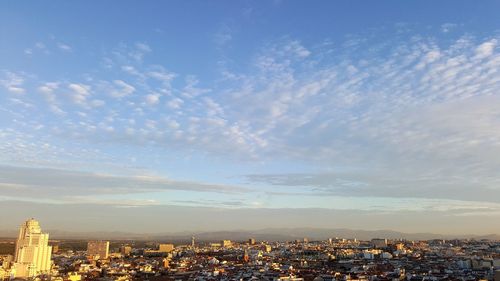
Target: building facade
{"x": 33, "y": 253}
{"x": 98, "y": 250}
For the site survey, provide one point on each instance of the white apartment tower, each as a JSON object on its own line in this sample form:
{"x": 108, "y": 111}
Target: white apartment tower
{"x": 33, "y": 252}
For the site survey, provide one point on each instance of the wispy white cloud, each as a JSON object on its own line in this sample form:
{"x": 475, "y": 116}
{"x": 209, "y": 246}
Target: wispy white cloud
{"x": 175, "y": 103}
{"x": 411, "y": 109}
{"x": 40, "y": 45}
{"x": 139, "y": 51}
{"x": 48, "y": 90}
{"x": 64, "y": 47}
{"x": 13, "y": 82}
{"x": 153, "y": 99}
{"x": 486, "y": 49}
{"x": 121, "y": 89}
{"x": 143, "y": 47}
{"x": 79, "y": 93}
{"x": 448, "y": 27}
{"x": 223, "y": 35}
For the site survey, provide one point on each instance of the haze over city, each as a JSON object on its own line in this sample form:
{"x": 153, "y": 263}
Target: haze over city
{"x": 172, "y": 116}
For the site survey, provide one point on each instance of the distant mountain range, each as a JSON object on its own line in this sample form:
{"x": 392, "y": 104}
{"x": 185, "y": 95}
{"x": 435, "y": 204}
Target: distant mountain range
{"x": 268, "y": 234}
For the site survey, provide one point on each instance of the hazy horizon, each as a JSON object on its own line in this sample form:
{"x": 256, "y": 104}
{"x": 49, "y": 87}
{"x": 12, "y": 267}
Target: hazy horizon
{"x": 222, "y": 115}
{"x": 276, "y": 232}
{"x": 82, "y": 218}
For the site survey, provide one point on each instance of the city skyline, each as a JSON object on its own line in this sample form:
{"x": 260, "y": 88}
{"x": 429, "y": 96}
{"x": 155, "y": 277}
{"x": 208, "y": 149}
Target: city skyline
{"x": 297, "y": 259}
{"x": 249, "y": 115}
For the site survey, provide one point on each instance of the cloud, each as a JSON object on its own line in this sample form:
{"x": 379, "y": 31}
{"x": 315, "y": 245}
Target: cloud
{"x": 98, "y": 103}
{"x": 160, "y": 74}
{"x": 223, "y": 35}
{"x": 131, "y": 70}
{"x": 45, "y": 48}
{"x": 56, "y": 184}
{"x": 127, "y": 54}
{"x": 143, "y": 47}
{"x": 296, "y": 48}
{"x": 152, "y": 99}
{"x": 64, "y": 47}
{"x": 448, "y": 27}
{"x": 80, "y": 93}
{"x": 486, "y": 49}
{"x": 369, "y": 117}
{"x": 381, "y": 184}
{"x": 36, "y": 48}
{"x": 175, "y": 103}
{"x": 13, "y": 82}
{"x": 139, "y": 51}
{"x": 40, "y": 45}
{"x": 121, "y": 89}
{"x": 48, "y": 88}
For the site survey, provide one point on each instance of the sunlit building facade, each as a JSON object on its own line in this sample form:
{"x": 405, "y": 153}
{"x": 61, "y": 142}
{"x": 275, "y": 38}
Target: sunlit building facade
{"x": 33, "y": 253}
{"x": 98, "y": 249}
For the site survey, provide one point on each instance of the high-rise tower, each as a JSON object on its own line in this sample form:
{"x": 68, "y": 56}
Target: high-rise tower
{"x": 98, "y": 249}
{"x": 33, "y": 252}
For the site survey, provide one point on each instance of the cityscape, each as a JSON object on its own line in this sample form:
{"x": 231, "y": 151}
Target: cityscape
{"x": 250, "y": 140}
{"x": 38, "y": 258}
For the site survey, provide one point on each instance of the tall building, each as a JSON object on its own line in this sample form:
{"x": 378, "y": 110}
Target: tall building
{"x": 98, "y": 249}
{"x": 126, "y": 250}
{"x": 33, "y": 253}
{"x": 192, "y": 242}
{"x": 251, "y": 241}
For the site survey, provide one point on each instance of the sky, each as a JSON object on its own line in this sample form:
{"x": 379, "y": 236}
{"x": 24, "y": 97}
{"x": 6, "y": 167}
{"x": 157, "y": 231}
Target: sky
{"x": 166, "y": 116}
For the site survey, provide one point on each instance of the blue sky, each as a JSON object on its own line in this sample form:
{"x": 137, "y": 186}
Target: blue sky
{"x": 251, "y": 107}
